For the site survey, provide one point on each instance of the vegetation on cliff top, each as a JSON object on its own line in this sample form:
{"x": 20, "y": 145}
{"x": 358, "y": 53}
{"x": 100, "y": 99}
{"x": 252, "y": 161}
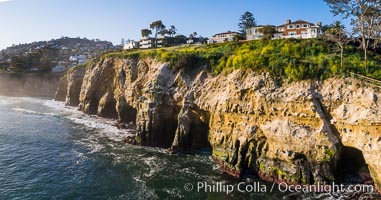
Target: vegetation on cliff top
{"x": 292, "y": 59}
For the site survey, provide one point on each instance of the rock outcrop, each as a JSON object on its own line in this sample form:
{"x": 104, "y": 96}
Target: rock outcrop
{"x": 69, "y": 86}
{"x": 356, "y": 113}
{"x": 294, "y": 133}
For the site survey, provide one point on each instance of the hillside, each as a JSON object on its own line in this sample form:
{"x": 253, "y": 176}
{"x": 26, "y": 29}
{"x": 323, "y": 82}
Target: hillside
{"x": 292, "y": 59}
{"x": 42, "y": 56}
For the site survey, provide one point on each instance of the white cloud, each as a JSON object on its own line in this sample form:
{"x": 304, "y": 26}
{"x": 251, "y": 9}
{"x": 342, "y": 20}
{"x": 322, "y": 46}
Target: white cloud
{"x": 4, "y": 1}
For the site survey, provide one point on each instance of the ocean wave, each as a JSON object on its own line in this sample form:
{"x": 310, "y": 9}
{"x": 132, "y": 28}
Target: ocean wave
{"x": 32, "y": 112}
{"x": 105, "y": 128}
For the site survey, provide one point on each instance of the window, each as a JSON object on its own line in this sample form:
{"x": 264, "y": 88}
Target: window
{"x": 291, "y": 33}
{"x": 298, "y": 26}
{"x": 305, "y": 25}
{"x": 290, "y": 26}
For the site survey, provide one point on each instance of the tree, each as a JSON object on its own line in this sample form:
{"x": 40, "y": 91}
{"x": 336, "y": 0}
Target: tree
{"x": 268, "y": 32}
{"x": 377, "y": 32}
{"x": 172, "y": 30}
{"x": 363, "y": 14}
{"x": 146, "y": 32}
{"x": 336, "y": 33}
{"x": 180, "y": 39}
{"x": 17, "y": 63}
{"x": 157, "y": 26}
{"x": 122, "y": 42}
{"x": 238, "y": 37}
{"x": 163, "y": 32}
{"x": 246, "y": 21}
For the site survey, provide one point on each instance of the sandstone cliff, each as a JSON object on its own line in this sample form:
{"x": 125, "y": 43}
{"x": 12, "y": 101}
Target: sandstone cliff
{"x": 70, "y": 85}
{"x": 300, "y": 132}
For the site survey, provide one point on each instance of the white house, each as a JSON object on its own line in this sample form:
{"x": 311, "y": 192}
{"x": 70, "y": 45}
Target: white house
{"x": 146, "y": 43}
{"x": 223, "y": 37}
{"x": 73, "y": 58}
{"x": 254, "y": 33}
{"x": 131, "y": 45}
{"x": 79, "y": 59}
{"x": 298, "y": 29}
{"x": 194, "y": 40}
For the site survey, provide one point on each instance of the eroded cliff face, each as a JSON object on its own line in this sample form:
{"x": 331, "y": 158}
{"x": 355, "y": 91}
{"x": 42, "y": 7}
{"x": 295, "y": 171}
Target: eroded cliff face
{"x": 295, "y": 132}
{"x": 356, "y": 113}
{"x": 69, "y": 86}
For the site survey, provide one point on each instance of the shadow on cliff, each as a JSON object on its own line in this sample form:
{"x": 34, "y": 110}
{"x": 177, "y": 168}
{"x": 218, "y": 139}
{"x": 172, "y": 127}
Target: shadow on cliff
{"x": 349, "y": 165}
{"x": 352, "y": 167}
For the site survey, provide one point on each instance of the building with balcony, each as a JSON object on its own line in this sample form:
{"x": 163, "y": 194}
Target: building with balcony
{"x": 223, "y": 37}
{"x": 298, "y": 29}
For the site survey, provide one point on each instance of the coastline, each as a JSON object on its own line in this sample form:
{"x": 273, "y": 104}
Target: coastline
{"x": 29, "y": 84}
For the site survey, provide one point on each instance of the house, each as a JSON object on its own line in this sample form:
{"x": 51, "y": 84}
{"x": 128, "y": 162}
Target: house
{"x": 78, "y": 59}
{"x": 164, "y": 41}
{"x": 255, "y": 33}
{"x": 223, "y": 37}
{"x": 131, "y": 45}
{"x": 161, "y": 41}
{"x": 298, "y": 29}
{"x": 146, "y": 43}
{"x": 82, "y": 59}
{"x": 194, "y": 40}
{"x": 73, "y": 59}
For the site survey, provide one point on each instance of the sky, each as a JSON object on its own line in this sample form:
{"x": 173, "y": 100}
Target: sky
{"x": 24, "y": 21}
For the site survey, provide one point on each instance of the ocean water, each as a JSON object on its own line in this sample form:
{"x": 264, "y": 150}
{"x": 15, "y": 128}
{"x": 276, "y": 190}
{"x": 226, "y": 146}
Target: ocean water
{"x": 48, "y": 151}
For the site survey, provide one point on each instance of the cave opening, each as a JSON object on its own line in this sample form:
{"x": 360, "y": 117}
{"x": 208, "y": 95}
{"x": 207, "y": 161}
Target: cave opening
{"x": 199, "y": 134}
{"x": 352, "y": 167}
{"x": 165, "y": 125}
{"x": 109, "y": 110}
{"x": 128, "y": 114}
{"x": 93, "y": 106}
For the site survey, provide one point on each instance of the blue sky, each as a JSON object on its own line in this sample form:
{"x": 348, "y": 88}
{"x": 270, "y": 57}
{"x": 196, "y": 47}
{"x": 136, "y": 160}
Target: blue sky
{"x": 24, "y": 21}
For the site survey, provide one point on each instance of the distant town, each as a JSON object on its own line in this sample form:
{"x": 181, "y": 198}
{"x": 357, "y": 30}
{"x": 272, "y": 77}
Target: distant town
{"x": 51, "y": 56}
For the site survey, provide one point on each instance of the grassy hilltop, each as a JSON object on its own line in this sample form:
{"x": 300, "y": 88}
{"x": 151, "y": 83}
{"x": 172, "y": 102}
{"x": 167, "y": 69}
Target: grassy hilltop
{"x": 292, "y": 59}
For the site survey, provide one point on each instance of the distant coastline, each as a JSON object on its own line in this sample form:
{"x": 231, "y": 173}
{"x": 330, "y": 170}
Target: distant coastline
{"x": 29, "y": 84}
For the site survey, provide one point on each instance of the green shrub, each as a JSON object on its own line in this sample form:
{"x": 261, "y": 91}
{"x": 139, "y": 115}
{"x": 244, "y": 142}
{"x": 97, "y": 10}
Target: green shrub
{"x": 292, "y": 59}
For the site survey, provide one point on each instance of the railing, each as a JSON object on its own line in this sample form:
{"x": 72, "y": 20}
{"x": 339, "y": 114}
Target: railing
{"x": 372, "y": 81}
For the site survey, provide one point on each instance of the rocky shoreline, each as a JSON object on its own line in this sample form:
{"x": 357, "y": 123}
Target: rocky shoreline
{"x": 298, "y": 132}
